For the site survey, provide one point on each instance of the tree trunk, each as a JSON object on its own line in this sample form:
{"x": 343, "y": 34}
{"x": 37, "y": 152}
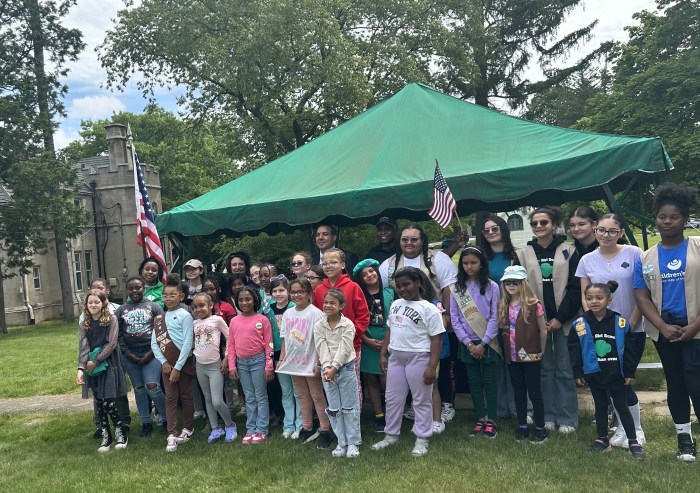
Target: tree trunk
{"x": 43, "y": 90}
{"x": 3, "y": 320}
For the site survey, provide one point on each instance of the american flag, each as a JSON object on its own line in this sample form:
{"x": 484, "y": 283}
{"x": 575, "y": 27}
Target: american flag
{"x": 145, "y": 221}
{"x": 444, "y": 204}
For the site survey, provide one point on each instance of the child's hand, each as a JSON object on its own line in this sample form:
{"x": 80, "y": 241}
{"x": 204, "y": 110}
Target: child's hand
{"x": 146, "y": 358}
{"x": 167, "y": 368}
{"x": 383, "y": 364}
{"x": 477, "y": 351}
{"x": 580, "y": 382}
{"x": 80, "y": 378}
{"x": 233, "y": 374}
{"x": 133, "y": 358}
{"x": 376, "y": 344}
{"x": 269, "y": 376}
{"x": 224, "y": 365}
{"x": 90, "y": 365}
{"x": 429, "y": 376}
{"x": 629, "y": 381}
{"x": 553, "y": 325}
{"x": 174, "y": 376}
{"x": 317, "y": 371}
{"x": 329, "y": 374}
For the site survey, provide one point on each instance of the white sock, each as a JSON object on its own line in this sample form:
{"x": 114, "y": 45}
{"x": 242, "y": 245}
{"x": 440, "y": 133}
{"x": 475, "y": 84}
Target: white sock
{"x": 682, "y": 428}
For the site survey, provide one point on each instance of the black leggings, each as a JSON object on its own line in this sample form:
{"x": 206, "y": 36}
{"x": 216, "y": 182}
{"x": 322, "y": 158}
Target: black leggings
{"x": 525, "y": 379}
{"x": 681, "y": 362}
{"x": 446, "y": 379}
{"x": 619, "y": 399}
{"x": 107, "y": 408}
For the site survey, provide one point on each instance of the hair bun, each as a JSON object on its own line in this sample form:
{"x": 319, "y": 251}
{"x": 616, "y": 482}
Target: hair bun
{"x": 613, "y": 285}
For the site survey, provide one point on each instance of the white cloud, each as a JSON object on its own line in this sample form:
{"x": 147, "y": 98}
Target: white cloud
{"x": 93, "y": 107}
{"x": 65, "y": 136}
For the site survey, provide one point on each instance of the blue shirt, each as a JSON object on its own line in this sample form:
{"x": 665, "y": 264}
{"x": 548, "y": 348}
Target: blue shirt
{"x": 180, "y": 325}
{"x": 497, "y": 266}
{"x": 672, "y": 263}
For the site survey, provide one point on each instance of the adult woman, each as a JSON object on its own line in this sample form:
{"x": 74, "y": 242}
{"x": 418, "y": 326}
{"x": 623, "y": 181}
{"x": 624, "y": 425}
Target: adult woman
{"x": 667, "y": 291}
{"x": 612, "y": 261}
{"x": 238, "y": 263}
{"x": 301, "y": 262}
{"x": 582, "y": 224}
{"x": 500, "y": 252}
{"x": 551, "y": 267}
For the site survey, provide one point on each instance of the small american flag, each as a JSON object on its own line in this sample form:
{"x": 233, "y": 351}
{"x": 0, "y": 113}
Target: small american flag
{"x": 145, "y": 221}
{"x": 444, "y": 204}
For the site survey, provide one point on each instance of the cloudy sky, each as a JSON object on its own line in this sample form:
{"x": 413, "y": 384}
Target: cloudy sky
{"x": 88, "y": 99}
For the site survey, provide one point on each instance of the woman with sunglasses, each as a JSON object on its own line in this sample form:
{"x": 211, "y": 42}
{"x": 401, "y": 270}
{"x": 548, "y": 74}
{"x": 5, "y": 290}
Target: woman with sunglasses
{"x": 500, "y": 253}
{"x": 551, "y": 266}
{"x": 613, "y": 261}
{"x": 300, "y": 264}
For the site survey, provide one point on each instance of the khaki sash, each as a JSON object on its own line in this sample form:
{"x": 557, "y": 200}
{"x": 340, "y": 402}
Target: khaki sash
{"x": 168, "y": 348}
{"x": 471, "y": 312}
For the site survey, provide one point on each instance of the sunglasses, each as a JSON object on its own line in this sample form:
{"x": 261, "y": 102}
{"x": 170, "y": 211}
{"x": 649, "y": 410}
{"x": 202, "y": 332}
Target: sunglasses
{"x": 405, "y": 239}
{"x": 510, "y": 282}
{"x": 296, "y": 264}
{"x": 492, "y": 229}
{"x": 540, "y": 223}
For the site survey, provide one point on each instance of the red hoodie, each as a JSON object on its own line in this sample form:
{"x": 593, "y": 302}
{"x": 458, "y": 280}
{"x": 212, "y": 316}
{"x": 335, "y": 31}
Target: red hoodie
{"x": 355, "y": 304}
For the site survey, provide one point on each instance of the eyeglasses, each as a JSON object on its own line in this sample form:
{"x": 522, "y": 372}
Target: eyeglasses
{"x": 405, "y": 239}
{"x": 510, "y": 282}
{"x": 492, "y": 229}
{"x": 297, "y": 293}
{"x": 330, "y": 263}
{"x": 296, "y": 264}
{"x": 609, "y": 232}
{"x": 313, "y": 278}
{"x": 540, "y": 223}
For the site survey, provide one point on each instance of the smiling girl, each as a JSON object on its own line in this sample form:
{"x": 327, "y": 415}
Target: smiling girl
{"x": 582, "y": 224}
{"x": 152, "y": 272}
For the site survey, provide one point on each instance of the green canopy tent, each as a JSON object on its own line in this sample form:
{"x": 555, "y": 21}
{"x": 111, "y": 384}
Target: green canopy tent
{"x": 382, "y": 162}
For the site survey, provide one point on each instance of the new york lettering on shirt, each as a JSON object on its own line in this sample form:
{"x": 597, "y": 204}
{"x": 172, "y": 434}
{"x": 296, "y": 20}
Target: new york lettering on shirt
{"x": 408, "y": 312}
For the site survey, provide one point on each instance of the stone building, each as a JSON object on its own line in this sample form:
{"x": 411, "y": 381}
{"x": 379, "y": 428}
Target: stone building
{"x": 106, "y": 248}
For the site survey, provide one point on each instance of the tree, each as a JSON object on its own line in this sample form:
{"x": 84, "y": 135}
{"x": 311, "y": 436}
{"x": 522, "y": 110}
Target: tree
{"x": 655, "y": 86}
{"x": 30, "y": 98}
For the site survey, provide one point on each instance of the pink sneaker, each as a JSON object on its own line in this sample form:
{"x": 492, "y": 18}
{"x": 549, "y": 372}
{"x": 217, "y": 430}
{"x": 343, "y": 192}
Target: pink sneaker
{"x": 247, "y": 439}
{"x": 258, "y": 438}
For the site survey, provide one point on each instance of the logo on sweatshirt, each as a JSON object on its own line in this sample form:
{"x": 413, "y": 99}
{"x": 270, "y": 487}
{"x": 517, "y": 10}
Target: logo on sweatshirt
{"x": 674, "y": 264}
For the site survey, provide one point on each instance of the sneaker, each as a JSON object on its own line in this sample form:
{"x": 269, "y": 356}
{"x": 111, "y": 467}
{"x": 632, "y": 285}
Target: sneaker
{"x": 619, "y": 438}
{"x": 172, "y": 444}
{"x": 247, "y": 439}
{"x": 106, "y": 443}
{"x": 379, "y": 424}
{"x": 478, "y": 428}
{"x": 421, "y": 447}
{"x": 308, "y": 436}
{"x": 438, "y": 427}
{"x": 386, "y": 442}
{"x": 522, "y": 434}
{"x": 231, "y": 433}
{"x": 636, "y": 451}
{"x": 184, "y": 436}
{"x": 295, "y": 435}
{"x": 686, "y": 447}
{"x": 538, "y": 436}
{"x": 490, "y": 430}
{"x": 120, "y": 438}
{"x": 566, "y": 429}
{"x": 146, "y": 429}
{"x": 98, "y": 433}
{"x": 448, "y": 412}
{"x": 339, "y": 451}
{"x": 408, "y": 413}
{"x": 530, "y": 421}
{"x": 600, "y": 446}
{"x": 199, "y": 415}
{"x": 324, "y": 439}
{"x": 286, "y": 434}
{"x": 550, "y": 425}
{"x": 353, "y": 451}
{"x": 258, "y": 438}
{"x": 216, "y": 434}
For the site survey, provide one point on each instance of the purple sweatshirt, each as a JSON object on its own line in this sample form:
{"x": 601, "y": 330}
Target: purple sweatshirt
{"x": 488, "y": 307}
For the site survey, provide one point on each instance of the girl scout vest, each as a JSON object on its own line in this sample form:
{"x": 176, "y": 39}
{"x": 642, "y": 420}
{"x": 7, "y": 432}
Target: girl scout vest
{"x": 430, "y": 272}
{"x": 585, "y": 337}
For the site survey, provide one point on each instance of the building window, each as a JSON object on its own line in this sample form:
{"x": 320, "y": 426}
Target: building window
{"x": 88, "y": 268}
{"x": 515, "y": 222}
{"x": 37, "y": 278}
{"x": 77, "y": 268}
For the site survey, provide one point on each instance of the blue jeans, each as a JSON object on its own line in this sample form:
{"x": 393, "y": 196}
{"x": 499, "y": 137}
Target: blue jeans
{"x": 143, "y": 377}
{"x": 344, "y": 405}
{"x": 290, "y": 403}
{"x": 251, "y": 373}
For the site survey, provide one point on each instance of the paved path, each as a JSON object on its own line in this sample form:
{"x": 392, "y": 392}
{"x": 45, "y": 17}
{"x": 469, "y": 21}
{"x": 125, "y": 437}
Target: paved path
{"x": 652, "y": 402}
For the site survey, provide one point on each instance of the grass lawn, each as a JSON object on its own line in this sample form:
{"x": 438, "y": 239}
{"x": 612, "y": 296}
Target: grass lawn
{"x": 56, "y": 452}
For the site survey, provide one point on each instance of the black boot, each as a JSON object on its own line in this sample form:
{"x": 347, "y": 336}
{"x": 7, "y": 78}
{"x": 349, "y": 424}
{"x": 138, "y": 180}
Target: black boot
{"x": 106, "y": 443}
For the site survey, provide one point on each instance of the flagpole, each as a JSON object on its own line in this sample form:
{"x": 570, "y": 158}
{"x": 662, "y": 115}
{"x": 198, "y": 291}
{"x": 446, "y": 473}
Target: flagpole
{"x": 139, "y": 226}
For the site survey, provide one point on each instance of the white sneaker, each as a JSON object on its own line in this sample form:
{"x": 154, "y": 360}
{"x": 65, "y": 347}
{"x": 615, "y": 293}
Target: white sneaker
{"x": 184, "y": 436}
{"x": 339, "y": 451}
{"x": 550, "y": 425}
{"x": 388, "y": 441}
{"x": 199, "y": 415}
{"x": 421, "y": 447}
{"x": 640, "y": 438}
{"x": 438, "y": 427}
{"x": 619, "y": 438}
{"x": 566, "y": 429}
{"x": 408, "y": 413}
{"x": 353, "y": 451}
{"x": 295, "y": 435}
{"x": 172, "y": 444}
{"x": 530, "y": 421}
{"x": 287, "y": 434}
{"x": 448, "y": 412}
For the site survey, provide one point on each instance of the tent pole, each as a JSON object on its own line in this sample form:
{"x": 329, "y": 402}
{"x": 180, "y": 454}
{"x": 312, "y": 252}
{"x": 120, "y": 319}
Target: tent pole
{"x": 640, "y": 197}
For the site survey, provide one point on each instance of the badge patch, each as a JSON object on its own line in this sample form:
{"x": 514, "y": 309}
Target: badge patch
{"x": 258, "y": 325}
